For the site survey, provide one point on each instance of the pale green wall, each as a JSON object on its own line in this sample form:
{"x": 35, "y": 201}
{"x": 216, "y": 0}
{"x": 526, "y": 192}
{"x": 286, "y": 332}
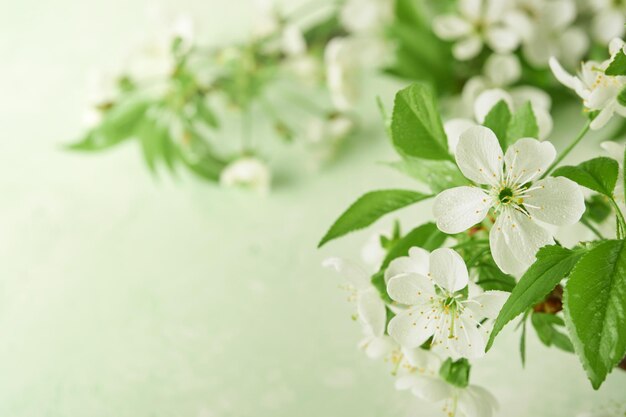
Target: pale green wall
{"x": 122, "y": 296}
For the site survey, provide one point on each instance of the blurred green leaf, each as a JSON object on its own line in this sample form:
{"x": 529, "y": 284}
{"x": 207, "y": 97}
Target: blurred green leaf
{"x": 498, "y": 120}
{"x": 545, "y": 325}
{"x": 523, "y": 124}
{"x": 437, "y": 175}
{"x": 426, "y": 236}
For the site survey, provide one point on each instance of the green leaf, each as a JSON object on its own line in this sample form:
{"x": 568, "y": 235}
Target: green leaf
{"x": 545, "y": 325}
{"x": 597, "y": 208}
{"x": 552, "y": 265}
{"x": 621, "y": 97}
{"x": 490, "y": 277}
{"x": 426, "y": 236}
{"x": 498, "y": 120}
{"x": 595, "y": 309}
{"x": 369, "y": 208}
{"x": 523, "y": 124}
{"x": 205, "y": 113}
{"x": 456, "y": 373}
{"x": 438, "y": 175}
{"x": 199, "y": 157}
{"x": 378, "y": 281}
{"x": 416, "y": 126}
{"x": 598, "y": 174}
{"x": 119, "y": 124}
{"x": 617, "y": 65}
{"x": 522, "y": 341}
{"x": 149, "y": 136}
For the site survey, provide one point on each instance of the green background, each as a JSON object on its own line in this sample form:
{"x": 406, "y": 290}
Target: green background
{"x": 128, "y": 296}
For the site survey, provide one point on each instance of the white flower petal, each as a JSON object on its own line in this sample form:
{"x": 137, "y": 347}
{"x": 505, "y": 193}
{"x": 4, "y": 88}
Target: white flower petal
{"x": 467, "y": 48}
{"x": 616, "y": 44}
{"x": 537, "y": 97}
{"x": 573, "y": 45}
{"x": 559, "y": 14}
{"x": 503, "y": 69}
{"x": 544, "y": 122}
{"x": 471, "y": 9}
{"x": 412, "y": 327}
{"x": 607, "y": 25}
{"x": 479, "y": 155}
{"x": 371, "y": 311}
{"x": 351, "y": 271}
{"x": 406, "y": 382}
{"x": 416, "y": 262}
{"x": 454, "y": 128}
{"x": 464, "y": 340}
{"x": 448, "y": 269}
{"x": 556, "y": 200}
{"x": 423, "y": 360}
{"x": 475, "y": 401}
{"x": 489, "y": 98}
{"x": 565, "y": 77}
{"x": 487, "y": 305}
{"x": 411, "y": 289}
{"x": 376, "y": 347}
{"x": 459, "y": 208}
{"x": 615, "y": 150}
{"x": 603, "y": 117}
{"x": 528, "y": 159}
{"x": 515, "y": 239}
{"x": 502, "y": 39}
{"x": 432, "y": 389}
{"x": 451, "y": 27}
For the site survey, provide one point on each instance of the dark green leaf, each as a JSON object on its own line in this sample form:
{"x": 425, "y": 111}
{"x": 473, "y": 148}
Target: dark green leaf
{"x": 522, "y": 341}
{"x": 523, "y": 124}
{"x": 498, "y": 120}
{"x": 438, "y": 175}
{"x": 621, "y": 97}
{"x": 369, "y": 208}
{"x": 490, "y": 277}
{"x": 617, "y": 65}
{"x": 595, "y": 309}
{"x": 598, "y": 174}
{"x": 545, "y": 326}
{"x": 416, "y": 126}
{"x": 378, "y": 281}
{"x": 597, "y": 208}
{"x": 456, "y": 373}
{"x": 426, "y": 236}
{"x": 552, "y": 265}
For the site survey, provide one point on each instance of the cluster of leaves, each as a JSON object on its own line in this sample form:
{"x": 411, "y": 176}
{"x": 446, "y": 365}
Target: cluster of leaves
{"x": 575, "y": 298}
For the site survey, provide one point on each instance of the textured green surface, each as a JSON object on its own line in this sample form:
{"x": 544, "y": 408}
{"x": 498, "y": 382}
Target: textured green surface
{"x": 129, "y": 297}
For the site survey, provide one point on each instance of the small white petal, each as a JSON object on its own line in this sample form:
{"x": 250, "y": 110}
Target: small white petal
{"x": 479, "y": 155}
{"x": 615, "y": 150}
{"x": 502, "y": 39}
{"x": 503, "y": 69}
{"x": 475, "y": 401}
{"x": 454, "y": 128}
{"x": 558, "y": 201}
{"x": 489, "y": 98}
{"x": 448, "y": 269}
{"x": 351, "y": 271}
{"x": 371, "y": 312}
{"x": 410, "y": 328}
{"x": 451, "y": 27}
{"x": 537, "y": 97}
{"x": 544, "y": 122}
{"x": 411, "y": 289}
{"x": 459, "y": 208}
{"x": 467, "y": 48}
{"x": 607, "y": 25}
{"x": 559, "y": 14}
{"x": 376, "y": 347}
{"x": 406, "y": 382}
{"x": 416, "y": 262}
{"x": 603, "y": 117}
{"x": 487, "y": 305}
{"x": 432, "y": 389}
{"x": 565, "y": 77}
{"x": 422, "y": 359}
{"x": 616, "y": 43}
{"x": 528, "y": 159}
{"x": 515, "y": 239}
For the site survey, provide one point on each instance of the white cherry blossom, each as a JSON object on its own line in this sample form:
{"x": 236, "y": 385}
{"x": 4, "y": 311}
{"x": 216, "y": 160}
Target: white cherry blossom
{"x": 366, "y": 16}
{"x": 371, "y": 310}
{"x": 598, "y": 90}
{"x": 247, "y": 172}
{"x": 431, "y": 285}
{"x": 609, "y": 19}
{"x": 477, "y": 22}
{"x": 509, "y": 184}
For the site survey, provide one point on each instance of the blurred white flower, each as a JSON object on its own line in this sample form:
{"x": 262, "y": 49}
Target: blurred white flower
{"x": 608, "y": 21}
{"x": 502, "y": 69}
{"x": 102, "y": 90}
{"x": 371, "y": 311}
{"x": 616, "y": 151}
{"x": 372, "y": 252}
{"x": 247, "y": 172}
{"x": 366, "y": 16}
{"x": 471, "y": 401}
{"x": 477, "y": 22}
{"x": 598, "y": 90}
{"x": 431, "y": 285}
{"x": 266, "y": 19}
{"x": 546, "y": 29}
{"x": 516, "y": 193}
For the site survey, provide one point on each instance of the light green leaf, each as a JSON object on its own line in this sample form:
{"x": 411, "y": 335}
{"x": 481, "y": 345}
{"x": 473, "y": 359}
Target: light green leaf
{"x": 621, "y": 97}
{"x": 120, "y": 123}
{"x": 369, "y": 208}
{"x": 552, "y": 265}
{"x": 598, "y": 174}
{"x": 498, "y": 120}
{"x": 437, "y": 175}
{"x": 523, "y": 124}
{"x": 617, "y": 65}
{"x": 426, "y": 236}
{"x": 416, "y": 127}
{"x": 595, "y": 309}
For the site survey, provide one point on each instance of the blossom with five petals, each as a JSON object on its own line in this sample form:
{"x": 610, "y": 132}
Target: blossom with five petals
{"x": 509, "y": 184}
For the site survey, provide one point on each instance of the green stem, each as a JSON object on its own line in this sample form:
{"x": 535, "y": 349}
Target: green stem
{"x": 470, "y": 243}
{"x": 591, "y": 227}
{"x": 567, "y": 150}
{"x": 621, "y": 223}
